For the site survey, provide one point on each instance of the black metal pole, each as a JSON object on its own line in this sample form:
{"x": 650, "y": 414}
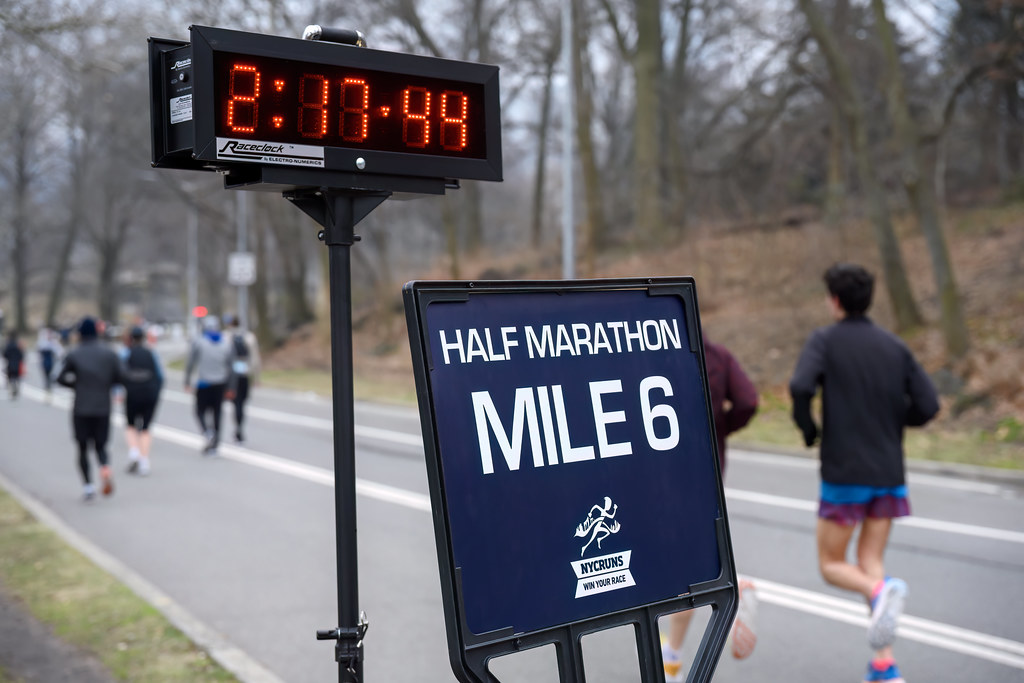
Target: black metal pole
{"x": 340, "y": 236}
{"x": 338, "y": 211}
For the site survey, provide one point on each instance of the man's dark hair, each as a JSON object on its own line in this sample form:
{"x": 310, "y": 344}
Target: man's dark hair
{"x": 87, "y": 329}
{"x": 852, "y": 284}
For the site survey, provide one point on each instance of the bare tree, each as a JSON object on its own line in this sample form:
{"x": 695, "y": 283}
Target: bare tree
{"x": 897, "y": 284}
{"x": 21, "y": 129}
{"x": 596, "y": 238}
{"x": 916, "y": 164}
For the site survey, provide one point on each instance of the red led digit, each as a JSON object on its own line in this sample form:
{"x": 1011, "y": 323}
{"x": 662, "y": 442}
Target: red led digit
{"x": 313, "y": 109}
{"x": 355, "y": 101}
{"x": 243, "y": 93}
{"x": 415, "y": 131}
{"x": 453, "y": 119}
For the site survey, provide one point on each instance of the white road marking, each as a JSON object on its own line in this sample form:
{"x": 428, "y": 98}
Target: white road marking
{"x": 914, "y": 478}
{"x": 916, "y": 522}
{"x": 934, "y": 633}
{"x": 937, "y": 634}
{"x": 281, "y": 464}
{"x": 308, "y": 421}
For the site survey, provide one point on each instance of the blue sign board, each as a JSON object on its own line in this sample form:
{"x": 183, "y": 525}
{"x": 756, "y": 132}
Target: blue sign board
{"x": 574, "y": 471}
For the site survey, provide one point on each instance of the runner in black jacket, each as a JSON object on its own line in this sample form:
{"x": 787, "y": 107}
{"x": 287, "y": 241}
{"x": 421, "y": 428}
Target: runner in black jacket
{"x": 872, "y": 388}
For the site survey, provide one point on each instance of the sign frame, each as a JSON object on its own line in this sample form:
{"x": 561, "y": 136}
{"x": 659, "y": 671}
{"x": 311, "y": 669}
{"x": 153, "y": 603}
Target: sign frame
{"x": 469, "y": 651}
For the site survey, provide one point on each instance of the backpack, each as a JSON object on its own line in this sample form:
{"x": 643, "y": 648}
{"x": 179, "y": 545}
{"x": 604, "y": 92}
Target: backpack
{"x": 241, "y": 348}
{"x": 140, "y": 370}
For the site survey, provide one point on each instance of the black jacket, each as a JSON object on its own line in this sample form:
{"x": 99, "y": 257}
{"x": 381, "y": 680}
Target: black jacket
{"x": 872, "y": 388}
{"x": 92, "y": 370}
{"x": 14, "y": 357}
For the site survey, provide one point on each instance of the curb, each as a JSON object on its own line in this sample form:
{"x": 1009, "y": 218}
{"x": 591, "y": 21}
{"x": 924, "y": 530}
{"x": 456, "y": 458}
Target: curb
{"x": 229, "y": 656}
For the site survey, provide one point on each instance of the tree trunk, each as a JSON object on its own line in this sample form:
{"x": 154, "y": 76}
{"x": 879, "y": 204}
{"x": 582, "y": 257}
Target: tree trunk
{"x": 647, "y": 68}
{"x": 260, "y": 290}
{"x": 472, "y": 216}
{"x": 19, "y": 221}
{"x": 674, "y": 105}
{"x": 106, "y": 293}
{"x": 917, "y": 180}
{"x": 110, "y": 246}
{"x": 835, "y": 188}
{"x": 539, "y": 179}
{"x": 297, "y": 310}
{"x": 56, "y": 297}
{"x": 450, "y": 224}
{"x": 898, "y": 286}
{"x": 63, "y": 263}
{"x": 596, "y": 237}
{"x": 19, "y": 253}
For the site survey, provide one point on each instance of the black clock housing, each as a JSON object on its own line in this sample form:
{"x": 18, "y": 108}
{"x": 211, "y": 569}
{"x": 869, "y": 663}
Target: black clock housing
{"x": 303, "y": 111}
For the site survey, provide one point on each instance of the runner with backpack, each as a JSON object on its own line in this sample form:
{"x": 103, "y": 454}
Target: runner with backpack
{"x": 245, "y": 371}
{"x": 143, "y": 380}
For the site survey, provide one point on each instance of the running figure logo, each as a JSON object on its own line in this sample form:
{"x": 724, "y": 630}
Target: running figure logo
{"x": 599, "y": 524}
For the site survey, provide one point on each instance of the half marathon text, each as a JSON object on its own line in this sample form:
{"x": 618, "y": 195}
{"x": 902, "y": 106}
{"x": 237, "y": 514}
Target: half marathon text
{"x": 555, "y": 341}
{"x": 539, "y": 413}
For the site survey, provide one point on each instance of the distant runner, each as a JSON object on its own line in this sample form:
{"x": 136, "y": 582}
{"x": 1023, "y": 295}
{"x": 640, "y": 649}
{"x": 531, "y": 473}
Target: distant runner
{"x": 92, "y": 370}
{"x": 143, "y": 379}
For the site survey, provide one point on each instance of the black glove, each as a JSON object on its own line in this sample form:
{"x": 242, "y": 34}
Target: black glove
{"x": 810, "y": 434}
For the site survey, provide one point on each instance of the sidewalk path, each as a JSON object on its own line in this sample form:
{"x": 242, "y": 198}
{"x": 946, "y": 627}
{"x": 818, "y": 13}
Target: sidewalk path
{"x": 30, "y": 652}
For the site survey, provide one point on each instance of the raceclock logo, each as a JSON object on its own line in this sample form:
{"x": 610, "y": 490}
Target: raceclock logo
{"x": 263, "y": 152}
{"x": 607, "y": 572}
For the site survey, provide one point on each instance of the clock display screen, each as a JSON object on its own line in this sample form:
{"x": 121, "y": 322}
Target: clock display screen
{"x": 269, "y": 99}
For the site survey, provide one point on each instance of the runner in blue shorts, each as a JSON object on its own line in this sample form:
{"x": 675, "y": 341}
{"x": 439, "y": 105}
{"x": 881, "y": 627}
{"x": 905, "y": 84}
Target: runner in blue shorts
{"x": 872, "y": 388}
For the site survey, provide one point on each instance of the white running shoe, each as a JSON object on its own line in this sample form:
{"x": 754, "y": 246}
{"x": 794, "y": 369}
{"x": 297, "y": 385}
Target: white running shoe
{"x": 673, "y": 664}
{"x": 742, "y": 637}
{"x": 886, "y": 609}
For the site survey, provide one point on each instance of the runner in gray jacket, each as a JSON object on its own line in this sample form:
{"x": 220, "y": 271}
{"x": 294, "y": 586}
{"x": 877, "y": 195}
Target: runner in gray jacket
{"x": 92, "y": 370}
{"x": 210, "y": 358}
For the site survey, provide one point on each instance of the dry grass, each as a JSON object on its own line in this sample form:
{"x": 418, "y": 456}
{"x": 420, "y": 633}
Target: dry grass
{"x": 760, "y": 294}
{"x": 90, "y": 609}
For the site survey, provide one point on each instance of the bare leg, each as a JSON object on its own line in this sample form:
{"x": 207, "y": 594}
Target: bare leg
{"x": 131, "y": 437}
{"x": 833, "y": 540}
{"x": 678, "y": 624}
{"x": 145, "y": 441}
{"x": 874, "y": 536}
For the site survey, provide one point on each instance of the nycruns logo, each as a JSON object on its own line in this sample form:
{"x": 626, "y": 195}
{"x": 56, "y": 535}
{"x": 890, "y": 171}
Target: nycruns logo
{"x": 608, "y": 572}
{"x": 596, "y": 526}
{"x": 251, "y": 148}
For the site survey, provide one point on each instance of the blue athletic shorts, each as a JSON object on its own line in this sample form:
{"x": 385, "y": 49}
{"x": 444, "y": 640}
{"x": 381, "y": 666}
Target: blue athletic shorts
{"x": 848, "y": 504}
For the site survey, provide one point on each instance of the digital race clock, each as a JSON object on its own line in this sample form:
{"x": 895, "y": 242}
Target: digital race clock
{"x": 229, "y": 99}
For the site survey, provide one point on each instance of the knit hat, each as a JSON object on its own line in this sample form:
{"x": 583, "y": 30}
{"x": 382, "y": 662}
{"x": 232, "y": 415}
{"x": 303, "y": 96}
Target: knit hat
{"x": 87, "y": 328}
{"x": 211, "y": 323}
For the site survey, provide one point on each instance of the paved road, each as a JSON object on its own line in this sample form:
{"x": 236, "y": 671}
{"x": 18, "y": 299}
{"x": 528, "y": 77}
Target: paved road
{"x": 240, "y": 548}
